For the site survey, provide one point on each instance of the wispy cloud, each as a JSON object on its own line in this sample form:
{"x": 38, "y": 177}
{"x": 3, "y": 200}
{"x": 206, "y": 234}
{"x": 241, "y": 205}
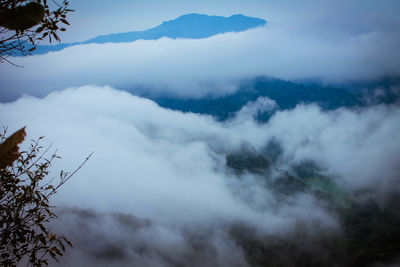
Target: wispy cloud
{"x": 170, "y": 168}
{"x": 334, "y": 47}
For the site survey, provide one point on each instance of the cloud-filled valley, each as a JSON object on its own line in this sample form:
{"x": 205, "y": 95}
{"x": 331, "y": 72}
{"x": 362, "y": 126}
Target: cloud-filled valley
{"x": 273, "y": 146}
{"x": 162, "y": 182}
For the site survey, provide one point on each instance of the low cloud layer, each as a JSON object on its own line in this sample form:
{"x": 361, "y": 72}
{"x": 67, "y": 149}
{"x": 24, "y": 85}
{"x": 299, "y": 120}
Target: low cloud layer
{"x": 159, "y": 183}
{"x": 163, "y": 163}
{"x": 322, "y": 42}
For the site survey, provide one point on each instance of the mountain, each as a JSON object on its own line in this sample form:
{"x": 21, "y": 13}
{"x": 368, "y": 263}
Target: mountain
{"x": 193, "y": 26}
{"x": 287, "y": 95}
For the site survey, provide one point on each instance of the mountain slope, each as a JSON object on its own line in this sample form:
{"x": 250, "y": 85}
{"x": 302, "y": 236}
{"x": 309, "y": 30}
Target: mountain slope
{"x": 193, "y": 26}
{"x": 285, "y": 93}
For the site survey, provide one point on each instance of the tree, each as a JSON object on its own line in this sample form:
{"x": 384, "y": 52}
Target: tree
{"x": 24, "y": 22}
{"x": 25, "y": 210}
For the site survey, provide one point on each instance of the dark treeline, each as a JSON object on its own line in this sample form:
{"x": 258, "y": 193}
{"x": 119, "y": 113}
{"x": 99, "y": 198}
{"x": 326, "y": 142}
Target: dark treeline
{"x": 369, "y": 225}
{"x": 287, "y": 95}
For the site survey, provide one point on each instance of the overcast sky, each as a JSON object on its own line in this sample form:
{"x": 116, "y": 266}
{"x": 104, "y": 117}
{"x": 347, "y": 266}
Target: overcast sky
{"x": 127, "y": 15}
{"x": 91, "y": 19}
{"x": 332, "y": 41}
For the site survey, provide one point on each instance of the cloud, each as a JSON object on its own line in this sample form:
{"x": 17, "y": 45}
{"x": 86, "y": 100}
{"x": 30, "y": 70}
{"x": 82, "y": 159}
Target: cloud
{"x": 252, "y": 109}
{"x": 160, "y": 163}
{"x": 357, "y": 145}
{"x": 158, "y": 184}
{"x": 158, "y": 190}
{"x": 322, "y": 42}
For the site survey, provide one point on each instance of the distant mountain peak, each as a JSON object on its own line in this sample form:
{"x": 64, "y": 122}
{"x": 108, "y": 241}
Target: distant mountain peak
{"x": 191, "y": 26}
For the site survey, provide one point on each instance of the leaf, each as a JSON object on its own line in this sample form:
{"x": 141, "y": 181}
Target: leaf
{"x": 42, "y": 228}
{"x": 60, "y": 243}
{"x": 53, "y": 255}
{"x": 67, "y": 241}
{"x": 9, "y": 149}
{"x": 24, "y": 17}
{"x": 64, "y": 21}
{"x": 40, "y": 29}
{"x": 42, "y": 239}
{"x": 56, "y": 250}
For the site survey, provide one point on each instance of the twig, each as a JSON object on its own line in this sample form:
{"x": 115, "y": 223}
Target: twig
{"x": 69, "y": 176}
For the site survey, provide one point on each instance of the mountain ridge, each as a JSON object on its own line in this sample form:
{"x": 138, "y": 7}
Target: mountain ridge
{"x": 191, "y": 26}
{"x": 287, "y": 95}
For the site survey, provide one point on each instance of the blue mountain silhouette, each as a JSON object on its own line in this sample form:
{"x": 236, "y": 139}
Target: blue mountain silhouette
{"x": 193, "y": 26}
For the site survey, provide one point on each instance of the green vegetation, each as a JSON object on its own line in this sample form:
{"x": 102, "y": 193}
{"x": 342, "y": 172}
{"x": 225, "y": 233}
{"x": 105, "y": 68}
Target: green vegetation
{"x": 287, "y": 95}
{"x": 25, "y": 210}
{"x": 23, "y": 23}
{"x": 369, "y": 227}
{"x": 368, "y": 236}
{"x": 25, "y": 189}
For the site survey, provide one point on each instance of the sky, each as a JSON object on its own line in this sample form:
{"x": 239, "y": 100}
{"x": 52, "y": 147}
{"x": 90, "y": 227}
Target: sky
{"x": 125, "y": 15}
{"x": 329, "y": 41}
{"x": 157, "y": 190}
{"x": 122, "y": 16}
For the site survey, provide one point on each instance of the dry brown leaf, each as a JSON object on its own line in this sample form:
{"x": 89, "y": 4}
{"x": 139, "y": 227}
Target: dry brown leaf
{"x": 9, "y": 149}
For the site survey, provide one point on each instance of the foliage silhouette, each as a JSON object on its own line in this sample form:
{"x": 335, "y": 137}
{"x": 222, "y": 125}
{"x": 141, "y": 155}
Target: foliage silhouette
{"x": 23, "y": 23}
{"x": 25, "y": 210}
